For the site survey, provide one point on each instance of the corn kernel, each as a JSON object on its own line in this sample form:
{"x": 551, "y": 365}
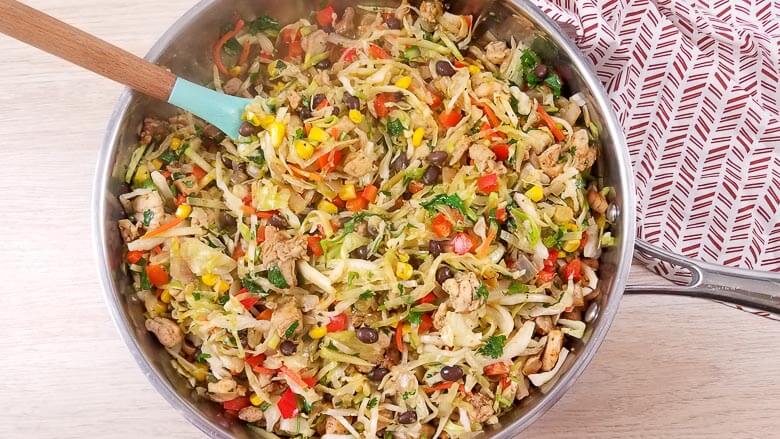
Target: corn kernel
{"x": 200, "y": 372}
{"x": 276, "y": 130}
{"x": 403, "y": 82}
{"x": 317, "y": 134}
{"x": 327, "y": 206}
{"x": 159, "y": 307}
{"x": 403, "y": 270}
{"x": 318, "y": 332}
{"x": 474, "y": 69}
{"x": 417, "y": 137}
{"x": 141, "y": 175}
{"x": 355, "y": 116}
{"x": 403, "y": 257}
{"x": 157, "y": 163}
{"x": 563, "y": 214}
{"x": 209, "y": 279}
{"x": 165, "y": 296}
{"x": 304, "y": 149}
{"x": 253, "y": 119}
{"x": 183, "y": 211}
{"x": 571, "y": 245}
{"x": 266, "y": 121}
{"x": 536, "y": 193}
{"x": 347, "y": 192}
{"x": 221, "y": 286}
{"x": 235, "y": 70}
{"x": 255, "y": 399}
{"x": 175, "y": 143}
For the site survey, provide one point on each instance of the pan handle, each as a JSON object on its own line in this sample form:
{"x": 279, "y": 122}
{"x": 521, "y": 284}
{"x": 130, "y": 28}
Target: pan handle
{"x": 754, "y": 289}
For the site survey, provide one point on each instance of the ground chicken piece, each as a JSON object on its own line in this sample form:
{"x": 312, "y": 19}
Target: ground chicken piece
{"x": 456, "y": 25}
{"x": 569, "y": 111}
{"x": 332, "y": 426}
{"x": 584, "y": 155}
{"x": 482, "y": 156}
{"x": 200, "y": 218}
{"x": 496, "y": 52}
{"x": 430, "y": 11}
{"x": 250, "y": 414}
{"x": 488, "y": 89}
{"x": 439, "y": 315}
{"x": 128, "y": 230}
{"x": 344, "y": 125}
{"x": 225, "y": 389}
{"x": 153, "y": 130}
{"x": 358, "y": 164}
{"x": 548, "y": 161}
{"x": 282, "y": 252}
{"x": 315, "y": 43}
{"x": 186, "y": 185}
{"x": 552, "y": 350}
{"x": 532, "y": 365}
{"x": 481, "y": 407}
{"x": 461, "y": 289}
{"x": 346, "y": 24}
{"x": 294, "y": 99}
{"x": 167, "y": 331}
{"x": 285, "y": 316}
{"x": 539, "y": 140}
{"x": 544, "y": 324}
{"x": 232, "y": 86}
{"x": 151, "y": 202}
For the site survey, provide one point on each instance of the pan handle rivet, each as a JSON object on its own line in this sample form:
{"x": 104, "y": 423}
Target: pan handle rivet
{"x": 613, "y": 213}
{"x": 592, "y": 312}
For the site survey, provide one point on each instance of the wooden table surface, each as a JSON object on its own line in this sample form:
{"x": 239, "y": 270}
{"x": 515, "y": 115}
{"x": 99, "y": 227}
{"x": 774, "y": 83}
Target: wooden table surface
{"x": 670, "y": 367}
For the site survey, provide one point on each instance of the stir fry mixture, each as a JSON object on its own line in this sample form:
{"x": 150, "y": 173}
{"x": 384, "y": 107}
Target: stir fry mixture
{"x": 401, "y": 243}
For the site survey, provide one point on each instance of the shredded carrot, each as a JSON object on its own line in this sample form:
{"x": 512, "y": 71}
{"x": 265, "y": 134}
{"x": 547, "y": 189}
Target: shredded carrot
{"x": 221, "y": 43}
{"x": 244, "y": 57}
{"x": 556, "y": 132}
{"x": 482, "y": 250}
{"x": 163, "y": 228}
{"x": 438, "y": 386}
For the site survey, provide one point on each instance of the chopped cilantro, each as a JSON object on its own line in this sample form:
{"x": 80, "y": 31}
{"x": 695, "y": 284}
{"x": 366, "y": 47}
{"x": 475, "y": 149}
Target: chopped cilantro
{"x": 232, "y": 47}
{"x": 223, "y": 299}
{"x": 493, "y": 347}
{"x": 276, "y": 278}
{"x": 265, "y": 406}
{"x": 253, "y": 286}
{"x": 366, "y": 295}
{"x": 264, "y": 23}
{"x": 257, "y": 158}
{"x": 553, "y": 240}
{"x": 395, "y": 127}
{"x": 168, "y": 156}
{"x": 453, "y": 201}
{"x": 291, "y": 330}
{"x": 145, "y": 284}
{"x": 554, "y": 82}
{"x": 517, "y": 288}
{"x": 351, "y": 277}
{"x": 307, "y": 406}
{"x": 148, "y": 217}
{"x": 481, "y": 293}
{"x": 407, "y": 395}
{"x": 299, "y": 133}
{"x": 201, "y": 357}
{"x": 196, "y": 296}
{"x": 372, "y": 403}
{"x": 414, "y": 317}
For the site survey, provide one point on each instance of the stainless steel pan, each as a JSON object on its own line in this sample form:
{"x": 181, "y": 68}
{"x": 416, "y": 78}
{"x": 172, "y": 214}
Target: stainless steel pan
{"x": 185, "y": 49}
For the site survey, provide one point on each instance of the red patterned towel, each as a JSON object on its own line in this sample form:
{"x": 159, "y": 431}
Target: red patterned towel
{"x": 695, "y": 86}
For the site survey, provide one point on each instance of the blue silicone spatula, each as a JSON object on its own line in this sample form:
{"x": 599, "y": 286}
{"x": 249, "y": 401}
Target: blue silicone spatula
{"x": 60, "y": 39}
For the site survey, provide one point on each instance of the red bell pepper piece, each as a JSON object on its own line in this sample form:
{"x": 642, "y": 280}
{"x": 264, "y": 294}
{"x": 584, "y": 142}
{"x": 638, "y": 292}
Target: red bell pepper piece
{"x": 314, "y": 245}
{"x": 260, "y": 234}
{"x": 198, "y": 172}
{"x": 288, "y": 404}
{"x": 249, "y": 302}
{"x": 494, "y": 369}
{"x": 462, "y": 243}
{"x": 488, "y": 183}
{"x": 449, "y": 119}
{"x": 501, "y": 214}
{"x": 310, "y": 381}
{"x": 399, "y": 337}
{"x": 265, "y": 314}
{"x": 380, "y": 103}
{"x": 157, "y": 275}
{"x": 325, "y": 16}
{"x": 328, "y": 161}
{"x": 357, "y": 204}
{"x": 377, "y": 52}
{"x": 349, "y": 55}
{"x": 552, "y": 256}
{"x": 501, "y": 150}
{"x": 236, "y": 404}
{"x": 369, "y": 193}
{"x": 426, "y": 323}
{"x": 545, "y": 276}
{"x": 441, "y": 226}
{"x": 428, "y": 298}
{"x": 572, "y": 270}
{"x": 444, "y": 385}
{"x": 337, "y": 323}
{"x": 134, "y": 256}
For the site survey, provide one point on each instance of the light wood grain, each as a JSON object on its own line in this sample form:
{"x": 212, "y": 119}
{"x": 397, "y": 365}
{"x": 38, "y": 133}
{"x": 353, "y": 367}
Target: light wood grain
{"x": 65, "y": 41}
{"x": 670, "y": 367}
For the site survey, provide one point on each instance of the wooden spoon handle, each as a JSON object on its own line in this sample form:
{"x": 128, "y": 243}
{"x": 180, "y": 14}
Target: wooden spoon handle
{"x": 51, "y": 35}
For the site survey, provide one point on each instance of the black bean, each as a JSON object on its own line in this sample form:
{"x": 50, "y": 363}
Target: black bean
{"x": 304, "y": 112}
{"x": 431, "y": 175}
{"x": 406, "y": 195}
{"x": 392, "y": 22}
{"x": 367, "y": 335}
{"x": 352, "y": 102}
{"x": 451, "y": 373}
{"x": 434, "y": 248}
{"x": 444, "y": 68}
{"x": 336, "y": 111}
{"x": 378, "y": 373}
{"x": 443, "y": 273}
{"x": 400, "y": 163}
{"x": 540, "y": 71}
{"x": 327, "y": 397}
{"x": 287, "y": 347}
{"x": 247, "y": 129}
{"x": 438, "y": 158}
{"x": 477, "y": 387}
{"x": 324, "y": 64}
{"x": 407, "y": 417}
{"x": 317, "y": 100}
{"x": 360, "y": 252}
{"x": 278, "y": 221}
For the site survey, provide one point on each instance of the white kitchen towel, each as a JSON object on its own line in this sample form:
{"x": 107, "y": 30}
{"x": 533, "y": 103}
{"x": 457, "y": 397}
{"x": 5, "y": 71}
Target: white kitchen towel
{"x": 696, "y": 87}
